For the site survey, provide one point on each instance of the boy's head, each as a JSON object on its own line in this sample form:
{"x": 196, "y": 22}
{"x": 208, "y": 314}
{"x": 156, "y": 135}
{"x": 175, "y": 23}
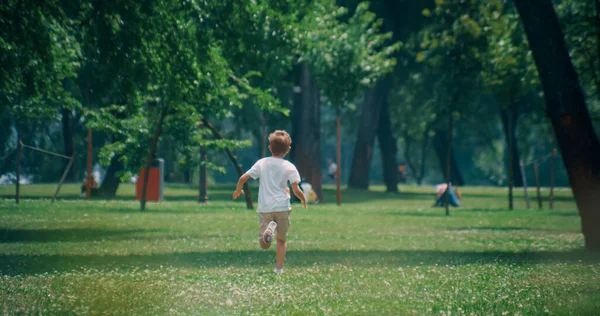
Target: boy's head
{"x": 279, "y": 143}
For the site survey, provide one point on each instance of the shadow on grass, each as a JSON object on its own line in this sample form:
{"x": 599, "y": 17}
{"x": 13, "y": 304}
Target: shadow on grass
{"x": 427, "y": 213}
{"x": 563, "y": 198}
{"x": 361, "y": 196}
{"x": 546, "y": 212}
{"x": 87, "y": 235}
{"x": 223, "y": 193}
{"x": 28, "y": 265}
{"x": 505, "y": 229}
{"x": 9, "y": 235}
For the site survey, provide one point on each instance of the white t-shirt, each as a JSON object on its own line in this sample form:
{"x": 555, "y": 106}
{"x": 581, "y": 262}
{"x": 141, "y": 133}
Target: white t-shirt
{"x": 274, "y": 173}
{"x": 332, "y": 168}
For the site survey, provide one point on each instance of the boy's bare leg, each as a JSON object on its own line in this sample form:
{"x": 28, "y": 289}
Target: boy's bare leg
{"x": 280, "y": 253}
{"x": 262, "y": 243}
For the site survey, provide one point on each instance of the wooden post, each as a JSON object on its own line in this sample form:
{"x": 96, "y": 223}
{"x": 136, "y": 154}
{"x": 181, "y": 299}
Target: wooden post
{"x": 90, "y": 176}
{"x": 510, "y": 161}
{"x": 552, "y": 167}
{"x": 19, "y": 150}
{"x": 524, "y": 177}
{"x": 449, "y": 163}
{"x": 203, "y": 194}
{"x": 64, "y": 176}
{"x": 338, "y": 121}
{"x": 537, "y": 183}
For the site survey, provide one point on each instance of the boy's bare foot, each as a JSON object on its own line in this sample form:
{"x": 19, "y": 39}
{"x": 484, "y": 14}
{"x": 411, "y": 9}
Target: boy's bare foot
{"x": 269, "y": 232}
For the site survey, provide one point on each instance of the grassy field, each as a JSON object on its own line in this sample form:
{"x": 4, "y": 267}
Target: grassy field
{"x": 376, "y": 254}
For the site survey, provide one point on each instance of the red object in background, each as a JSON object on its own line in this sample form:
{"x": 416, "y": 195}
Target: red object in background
{"x": 153, "y": 190}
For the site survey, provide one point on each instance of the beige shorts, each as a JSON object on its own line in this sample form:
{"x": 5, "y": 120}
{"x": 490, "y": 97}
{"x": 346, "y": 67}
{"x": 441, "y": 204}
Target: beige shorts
{"x": 283, "y": 223}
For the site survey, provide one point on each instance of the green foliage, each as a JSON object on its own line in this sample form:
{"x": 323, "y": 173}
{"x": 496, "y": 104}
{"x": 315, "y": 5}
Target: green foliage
{"x": 509, "y": 71}
{"x": 452, "y": 45}
{"x": 580, "y": 21}
{"x": 38, "y": 52}
{"x": 345, "y": 56}
{"x": 187, "y": 67}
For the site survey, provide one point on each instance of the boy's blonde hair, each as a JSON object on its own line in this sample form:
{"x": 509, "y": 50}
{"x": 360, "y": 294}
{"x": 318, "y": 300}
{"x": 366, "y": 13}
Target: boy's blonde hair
{"x": 280, "y": 142}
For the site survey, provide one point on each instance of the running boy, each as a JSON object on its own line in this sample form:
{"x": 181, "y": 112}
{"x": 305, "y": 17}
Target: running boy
{"x": 273, "y": 199}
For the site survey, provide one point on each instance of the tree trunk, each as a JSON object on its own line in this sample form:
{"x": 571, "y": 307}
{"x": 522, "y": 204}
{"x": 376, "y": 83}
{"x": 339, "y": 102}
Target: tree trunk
{"x": 152, "y": 153}
{"x": 552, "y": 172}
{"x": 363, "y": 150}
{"x": 537, "y": 183}
{"x": 388, "y": 147}
{"x": 67, "y": 129}
{"x": 525, "y": 189}
{"x": 423, "y": 158}
{"x": 187, "y": 174}
{"x": 338, "y": 155}
{"x": 306, "y": 129}
{"x": 510, "y": 162}
{"x": 111, "y": 180}
{"x": 440, "y": 144}
{"x": 19, "y": 151}
{"x": 597, "y": 22}
{"x": 449, "y": 160}
{"x": 509, "y": 135}
{"x": 566, "y": 108}
{"x": 417, "y": 171}
{"x": 89, "y": 176}
{"x": 264, "y": 137}
{"x": 203, "y": 188}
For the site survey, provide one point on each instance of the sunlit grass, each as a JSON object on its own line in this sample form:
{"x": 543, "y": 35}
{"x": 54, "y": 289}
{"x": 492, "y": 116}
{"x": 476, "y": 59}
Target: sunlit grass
{"x": 378, "y": 253}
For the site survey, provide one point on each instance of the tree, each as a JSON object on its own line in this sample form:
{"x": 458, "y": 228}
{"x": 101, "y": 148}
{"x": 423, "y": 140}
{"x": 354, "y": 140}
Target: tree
{"x": 401, "y": 18}
{"x": 509, "y": 75}
{"x": 345, "y": 56}
{"x": 306, "y": 128}
{"x": 37, "y": 53}
{"x": 580, "y": 21}
{"x": 190, "y": 71}
{"x": 414, "y": 116}
{"x": 110, "y": 33}
{"x": 388, "y": 146}
{"x": 566, "y": 108}
{"x": 367, "y": 130}
{"x": 452, "y": 45}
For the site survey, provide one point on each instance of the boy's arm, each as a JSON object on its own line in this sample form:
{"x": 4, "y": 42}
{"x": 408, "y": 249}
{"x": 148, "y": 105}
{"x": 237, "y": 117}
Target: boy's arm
{"x": 240, "y": 184}
{"x": 298, "y": 193}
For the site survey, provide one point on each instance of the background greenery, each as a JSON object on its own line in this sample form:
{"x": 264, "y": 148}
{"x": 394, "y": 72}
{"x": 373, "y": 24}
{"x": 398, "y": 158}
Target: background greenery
{"x": 234, "y": 63}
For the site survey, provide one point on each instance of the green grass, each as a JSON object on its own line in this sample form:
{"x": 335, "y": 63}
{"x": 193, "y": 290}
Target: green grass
{"x": 378, "y": 253}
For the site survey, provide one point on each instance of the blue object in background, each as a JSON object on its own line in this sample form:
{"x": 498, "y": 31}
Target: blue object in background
{"x": 453, "y": 198}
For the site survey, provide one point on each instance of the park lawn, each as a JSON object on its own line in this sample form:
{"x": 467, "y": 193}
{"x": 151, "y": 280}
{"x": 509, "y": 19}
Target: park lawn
{"x": 378, "y": 253}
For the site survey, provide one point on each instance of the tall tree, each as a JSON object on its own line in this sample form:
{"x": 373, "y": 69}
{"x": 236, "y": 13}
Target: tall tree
{"x": 401, "y": 18}
{"x": 306, "y": 128}
{"x": 451, "y": 46}
{"x": 367, "y": 129}
{"x": 509, "y": 74}
{"x": 356, "y": 55}
{"x": 38, "y": 52}
{"x": 388, "y": 146}
{"x": 69, "y": 147}
{"x": 414, "y": 115}
{"x": 567, "y": 110}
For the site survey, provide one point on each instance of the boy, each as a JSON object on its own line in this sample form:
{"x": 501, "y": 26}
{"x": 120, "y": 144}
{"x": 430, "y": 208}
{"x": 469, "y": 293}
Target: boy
{"x": 273, "y": 198}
